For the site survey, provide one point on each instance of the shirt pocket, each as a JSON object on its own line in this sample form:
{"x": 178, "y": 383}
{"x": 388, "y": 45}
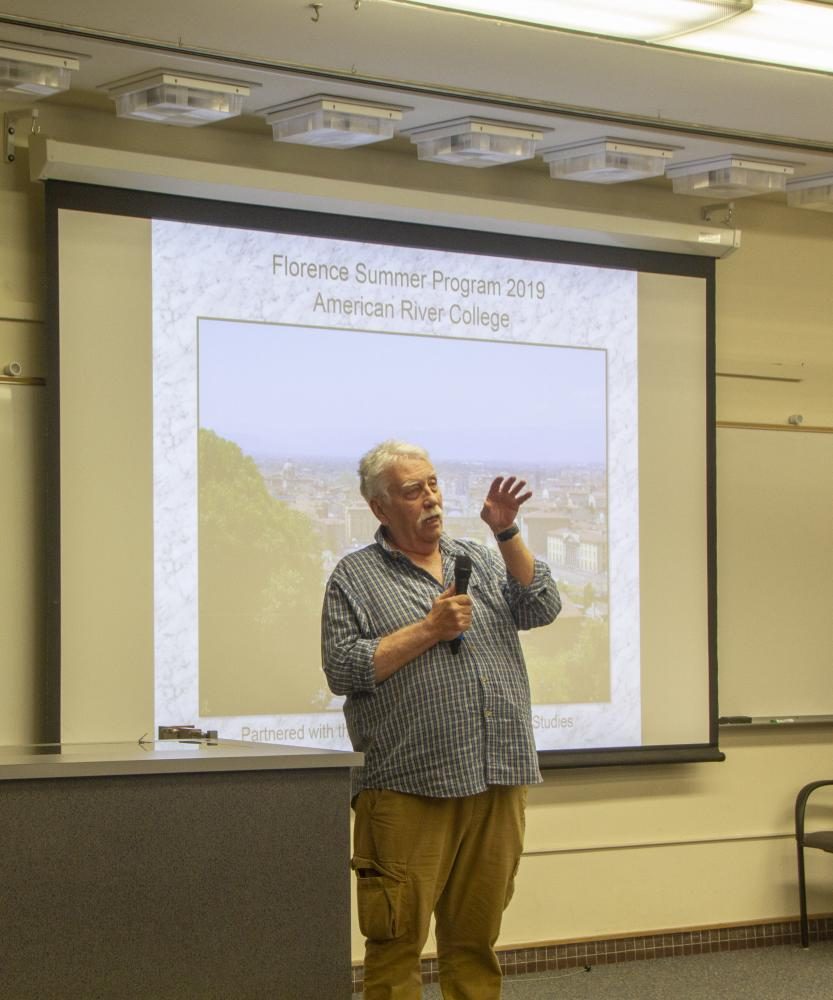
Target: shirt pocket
{"x": 379, "y": 893}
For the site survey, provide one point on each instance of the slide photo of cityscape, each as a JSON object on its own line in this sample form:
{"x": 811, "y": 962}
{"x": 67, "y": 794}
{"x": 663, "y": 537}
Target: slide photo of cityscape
{"x": 285, "y": 413}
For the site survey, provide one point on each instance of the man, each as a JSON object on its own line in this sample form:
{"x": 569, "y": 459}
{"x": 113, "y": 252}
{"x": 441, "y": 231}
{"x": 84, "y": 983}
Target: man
{"x": 447, "y": 736}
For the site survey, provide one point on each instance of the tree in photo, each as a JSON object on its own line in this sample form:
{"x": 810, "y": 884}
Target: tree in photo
{"x": 260, "y": 587}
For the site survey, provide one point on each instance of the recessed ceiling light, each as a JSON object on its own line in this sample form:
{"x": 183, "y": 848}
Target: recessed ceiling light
{"x": 606, "y": 161}
{"x": 37, "y": 72}
{"x": 475, "y": 142}
{"x": 174, "y": 99}
{"x": 811, "y": 192}
{"x": 335, "y": 122}
{"x": 729, "y": 177}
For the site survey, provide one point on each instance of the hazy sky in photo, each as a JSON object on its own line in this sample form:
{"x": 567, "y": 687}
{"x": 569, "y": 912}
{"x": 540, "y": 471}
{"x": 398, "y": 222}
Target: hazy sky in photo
{"x": 289, "y": 392}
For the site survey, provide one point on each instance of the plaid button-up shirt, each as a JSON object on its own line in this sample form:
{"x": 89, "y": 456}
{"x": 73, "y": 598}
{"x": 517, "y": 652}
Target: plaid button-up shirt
{"x": 443, "y": 725}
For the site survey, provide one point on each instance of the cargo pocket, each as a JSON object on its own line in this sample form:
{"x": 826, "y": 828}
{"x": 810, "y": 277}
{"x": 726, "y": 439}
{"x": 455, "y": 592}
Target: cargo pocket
{"x": 379, "y": 897}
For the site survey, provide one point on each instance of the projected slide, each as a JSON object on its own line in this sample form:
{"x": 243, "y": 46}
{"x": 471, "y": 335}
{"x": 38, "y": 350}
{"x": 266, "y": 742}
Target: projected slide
{"x": 278, "y": 360}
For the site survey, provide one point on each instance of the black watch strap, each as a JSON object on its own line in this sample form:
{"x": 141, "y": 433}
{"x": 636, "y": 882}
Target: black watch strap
{"x": 507, "y": 533}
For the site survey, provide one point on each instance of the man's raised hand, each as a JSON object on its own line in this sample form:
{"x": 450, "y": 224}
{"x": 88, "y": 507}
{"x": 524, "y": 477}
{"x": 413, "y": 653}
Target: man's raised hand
{"x": 503, "y": 501}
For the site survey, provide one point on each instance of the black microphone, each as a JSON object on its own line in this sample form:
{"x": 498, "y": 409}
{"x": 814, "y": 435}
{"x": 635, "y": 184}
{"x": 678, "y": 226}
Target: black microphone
{"x": 462, "y": 574}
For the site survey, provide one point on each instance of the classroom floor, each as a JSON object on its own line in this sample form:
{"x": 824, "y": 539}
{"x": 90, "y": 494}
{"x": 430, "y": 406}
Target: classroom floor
{"x": 785, "y": 972}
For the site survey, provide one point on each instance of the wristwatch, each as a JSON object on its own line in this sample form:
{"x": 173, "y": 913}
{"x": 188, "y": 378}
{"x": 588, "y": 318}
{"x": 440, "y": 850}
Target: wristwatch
{"x": 507, "y": 533}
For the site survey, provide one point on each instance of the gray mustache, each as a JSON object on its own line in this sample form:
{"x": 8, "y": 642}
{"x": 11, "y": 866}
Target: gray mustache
{"x": 430, "y": 513}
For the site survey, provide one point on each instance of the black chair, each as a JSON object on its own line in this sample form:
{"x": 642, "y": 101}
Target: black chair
{"x": 822, "y": 840}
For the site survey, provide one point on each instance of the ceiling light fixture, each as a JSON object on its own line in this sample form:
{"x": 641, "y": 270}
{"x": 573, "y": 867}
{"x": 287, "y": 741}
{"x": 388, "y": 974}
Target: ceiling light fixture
{"x": 783, "y": 32}
{"x": 173, "y": 99}
{"x": 475, "y": 142}
{"x": 606, "y": 161}
{"x": 729, "y": 177}
{"x": 38, "y": 73}
{"x": 811, "y": 192}
{"x": 647, "y": 21}
{"x": 334, "y": 122}
{"x": 791, "y": 33}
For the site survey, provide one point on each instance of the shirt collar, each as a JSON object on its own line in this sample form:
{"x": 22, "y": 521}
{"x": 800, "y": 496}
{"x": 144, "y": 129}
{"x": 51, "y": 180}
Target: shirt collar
{"x": 448, "y": 545}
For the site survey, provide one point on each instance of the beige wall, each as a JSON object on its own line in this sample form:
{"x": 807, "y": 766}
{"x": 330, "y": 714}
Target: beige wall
{"x": 22, "y": 597}
{"x": 609, "y": 851}
{"x": 106, "y": 570}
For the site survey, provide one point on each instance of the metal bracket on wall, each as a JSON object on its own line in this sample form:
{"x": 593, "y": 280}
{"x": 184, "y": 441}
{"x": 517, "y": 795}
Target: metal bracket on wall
{"x": 9, "y": 131}
{"x": 723, "y": 213}
{"x": 10, "y": 120}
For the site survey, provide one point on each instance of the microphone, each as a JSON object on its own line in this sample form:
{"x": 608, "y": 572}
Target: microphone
{"x": 462, "y": 573}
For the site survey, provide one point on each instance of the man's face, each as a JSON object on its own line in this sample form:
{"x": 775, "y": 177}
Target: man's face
{"x": 412, "y": 511}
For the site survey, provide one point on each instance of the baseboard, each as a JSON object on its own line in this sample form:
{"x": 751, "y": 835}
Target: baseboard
{"x": 668, "y": 944}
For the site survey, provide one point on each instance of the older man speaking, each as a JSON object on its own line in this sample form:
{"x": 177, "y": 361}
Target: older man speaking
{"x": 438, "y": 701}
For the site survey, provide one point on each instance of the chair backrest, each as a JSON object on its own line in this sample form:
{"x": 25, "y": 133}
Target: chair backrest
{"x": 820, "y": 839}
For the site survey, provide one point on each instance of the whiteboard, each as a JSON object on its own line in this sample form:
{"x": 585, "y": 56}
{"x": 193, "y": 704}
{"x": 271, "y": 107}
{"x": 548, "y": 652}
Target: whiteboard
{"x": 774, "y": 572}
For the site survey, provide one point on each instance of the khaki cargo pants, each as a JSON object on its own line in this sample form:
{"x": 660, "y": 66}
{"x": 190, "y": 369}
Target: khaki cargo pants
{"x": 455, "y": 858}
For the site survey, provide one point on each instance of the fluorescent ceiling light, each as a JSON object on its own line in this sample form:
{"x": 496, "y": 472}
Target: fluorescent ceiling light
{"x": 792, "y": 33}
{"x": 335, "y": 122}
{"x": 784, "y": 32}
{"x": 811, "y": 192}
{"x": 729, "y": 177}
{"x": 173, "y": 99}
{"x": 606, "y": 161}
{"x": 474, "y": 142}
{"x": 35, "y": 72}
{"x": 646, "y": 21}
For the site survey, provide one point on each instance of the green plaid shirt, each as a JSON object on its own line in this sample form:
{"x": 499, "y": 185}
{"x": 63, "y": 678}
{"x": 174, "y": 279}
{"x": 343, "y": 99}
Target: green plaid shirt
{"x": 442, "y": 725}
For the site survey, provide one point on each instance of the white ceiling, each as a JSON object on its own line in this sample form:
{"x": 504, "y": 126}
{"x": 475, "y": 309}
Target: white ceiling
{"x": 445, "y": 66}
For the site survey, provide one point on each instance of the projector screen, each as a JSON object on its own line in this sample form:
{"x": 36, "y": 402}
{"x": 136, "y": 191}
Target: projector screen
{"x": 223, "y": 368}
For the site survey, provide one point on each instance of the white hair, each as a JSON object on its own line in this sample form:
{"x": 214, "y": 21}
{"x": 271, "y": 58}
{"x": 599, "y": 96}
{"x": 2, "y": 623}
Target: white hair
{"x": 374, "y": 466}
